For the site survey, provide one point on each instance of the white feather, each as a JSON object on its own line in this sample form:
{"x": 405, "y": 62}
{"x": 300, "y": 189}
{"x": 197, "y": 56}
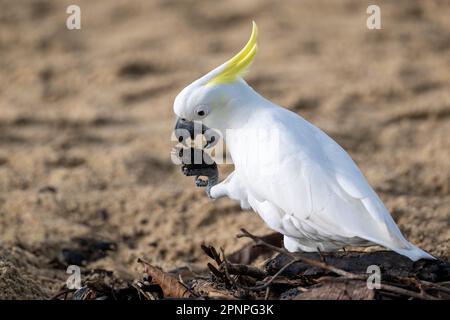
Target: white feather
{"x": 313, "y": 193}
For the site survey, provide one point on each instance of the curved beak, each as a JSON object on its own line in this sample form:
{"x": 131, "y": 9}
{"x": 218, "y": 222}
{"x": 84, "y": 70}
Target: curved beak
{"x": 185, "y": 129}
{"x": 182, "y": 127}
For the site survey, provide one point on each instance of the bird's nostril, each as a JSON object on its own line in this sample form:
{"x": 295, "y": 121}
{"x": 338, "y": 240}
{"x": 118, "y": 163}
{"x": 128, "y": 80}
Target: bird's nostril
{"x": 183, "y": 119}
{"x": 180, "y": 154}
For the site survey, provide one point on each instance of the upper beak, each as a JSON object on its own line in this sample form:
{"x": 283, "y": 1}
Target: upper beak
{"x": 185, "y": 128}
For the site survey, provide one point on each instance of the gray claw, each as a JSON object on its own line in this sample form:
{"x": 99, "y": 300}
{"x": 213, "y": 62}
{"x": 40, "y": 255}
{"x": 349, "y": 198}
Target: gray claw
{"x": 192, "y": 171}
{"x": 200, "y": 182}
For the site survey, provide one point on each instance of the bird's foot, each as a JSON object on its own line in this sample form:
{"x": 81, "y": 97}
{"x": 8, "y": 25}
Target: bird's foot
{"x": 322, "y": 256}
{"x": 210, "y": 172}
{"x": 189, "y": 171}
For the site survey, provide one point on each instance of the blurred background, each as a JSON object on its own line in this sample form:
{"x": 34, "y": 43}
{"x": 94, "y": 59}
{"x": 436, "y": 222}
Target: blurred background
{"x": 86, "y": 119}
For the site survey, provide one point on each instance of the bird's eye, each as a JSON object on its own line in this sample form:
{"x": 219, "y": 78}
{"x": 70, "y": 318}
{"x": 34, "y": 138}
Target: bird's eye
{"x": 202, "y": 111}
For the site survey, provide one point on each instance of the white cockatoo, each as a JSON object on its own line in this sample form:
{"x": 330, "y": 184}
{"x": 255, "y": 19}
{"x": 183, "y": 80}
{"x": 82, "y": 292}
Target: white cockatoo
{"x": 298, "y": 179}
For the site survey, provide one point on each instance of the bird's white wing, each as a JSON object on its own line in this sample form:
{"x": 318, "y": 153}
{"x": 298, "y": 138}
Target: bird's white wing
{"x": 343, "y": 170}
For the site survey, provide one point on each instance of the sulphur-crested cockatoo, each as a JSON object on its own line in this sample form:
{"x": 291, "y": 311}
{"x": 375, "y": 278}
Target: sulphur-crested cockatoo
{"x": 297, "y": 178}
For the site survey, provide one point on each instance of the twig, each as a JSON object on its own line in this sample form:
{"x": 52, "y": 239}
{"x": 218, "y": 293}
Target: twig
{"x": 389, "y": 288}
{"x": 62, "y": 292}
{"x": 299, "y": 257}
{"x": 211, "y": 252}
{"x": 418, "y": 295}
{"x": 206, "y": 289}
{"x": 226, "y": 265}
{"x": 268, "y": 283}
{"x": 214, "y": 271}
{"x": 266, "y": 297}
{"x": 435, "y": 286}
{"x": 140, "y": 292}
{"x": 245, "y": 270}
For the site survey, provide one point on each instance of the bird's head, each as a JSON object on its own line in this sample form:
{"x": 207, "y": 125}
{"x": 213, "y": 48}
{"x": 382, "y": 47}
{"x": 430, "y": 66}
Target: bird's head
{"x": 208, "y": 98}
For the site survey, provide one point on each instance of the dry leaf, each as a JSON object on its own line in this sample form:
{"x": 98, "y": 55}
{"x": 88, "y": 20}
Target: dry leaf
{"x": 170, "y": 286}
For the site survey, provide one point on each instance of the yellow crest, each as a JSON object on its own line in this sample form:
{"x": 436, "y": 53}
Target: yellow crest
{"x": 240, "y": 62}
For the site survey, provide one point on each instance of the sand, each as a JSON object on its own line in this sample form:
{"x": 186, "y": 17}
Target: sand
{"x": 86, "y": 119}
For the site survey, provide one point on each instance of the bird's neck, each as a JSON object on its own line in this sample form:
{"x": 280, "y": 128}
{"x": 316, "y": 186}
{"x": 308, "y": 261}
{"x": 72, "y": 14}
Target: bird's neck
{"x": 236, "y": 113}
